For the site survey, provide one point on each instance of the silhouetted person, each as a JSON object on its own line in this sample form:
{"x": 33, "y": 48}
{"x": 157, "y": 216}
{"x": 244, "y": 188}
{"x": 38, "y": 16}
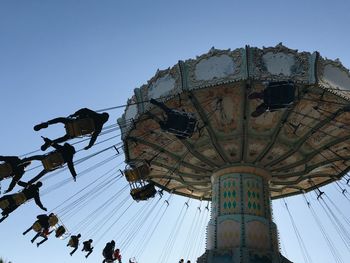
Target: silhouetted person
{"x": 44, "y": 234}
{"x": 82, "y": 122}
{"x": 12, "y": 167}
{"x": 87, "y": 247}
{"x": 180, "y": 123}
{"x": 9, "y": 203}
{"x": 182, "y": 260}
{"x": 74, "y": 242}
{"x": 277, "y": 95}
{"x": 108, "y": 252}
{"x": 117, "y": 255}
{"x": 53, "y": 160}
{"x": 42, "y": 226}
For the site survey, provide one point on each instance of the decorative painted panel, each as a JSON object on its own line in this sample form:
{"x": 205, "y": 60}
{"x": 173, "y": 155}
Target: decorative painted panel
{"x": 253, "y": 196}
{"x": 228, "y": 234}
{"x": 257, "y": 235}
{"x": 230, "y": 195}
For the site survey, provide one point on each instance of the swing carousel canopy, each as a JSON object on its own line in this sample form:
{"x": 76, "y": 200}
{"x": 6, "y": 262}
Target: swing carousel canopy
{"x": 303, "y": 146}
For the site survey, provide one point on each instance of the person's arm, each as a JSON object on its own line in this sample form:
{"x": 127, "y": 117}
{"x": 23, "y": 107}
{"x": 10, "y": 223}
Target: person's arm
{"x": 23, "y": 184}
{"x": 93, "y": 138}
{"x": 9, "y": 158}
{"x": 71, "y": 169}
{"x": 51, "y": 143}
{"x": 161, "y": 105}
{"x": 38, "y": 202}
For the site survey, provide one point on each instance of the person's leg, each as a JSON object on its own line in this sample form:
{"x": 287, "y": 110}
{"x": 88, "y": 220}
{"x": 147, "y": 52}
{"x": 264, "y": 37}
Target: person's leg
{"x": 58, "y": 140}
{"x": 13, "y": 183}
{"x": 42, "y": 241}
{"x": 4, "y": 216}
{"x": 28, "y": 230}
{"x": 34, "y": 157}
{"x": 35, "y": 237}
{"x": 53, "y": 121}
{"x": 88, "y": 254}
{"x": 58, "y": 120}
{"x": 36, "y": 178}
{"x": 256, "y": 95}
{"x": 75, "y": 249}
{"x": 259, "y": 110}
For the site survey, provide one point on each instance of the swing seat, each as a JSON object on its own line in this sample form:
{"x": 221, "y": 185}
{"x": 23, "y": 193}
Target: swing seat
{"x": 60, "y": 231}
{"x": 72, "y": 243}
{"x": 37, "y": 227}
{"x": 137, "y": 173}
{"x": 4, "y": 204}
{"x": 53, "y": 220}
{"x": 53, "y": 161}
{"x": 5, "y": 170}
{"x": 279, "y": 95}
{"x": 181, "y": 123}
{"x": 80, "y": 127}
{"x": 19, "y": 198}
{"x": 143, "y": 193}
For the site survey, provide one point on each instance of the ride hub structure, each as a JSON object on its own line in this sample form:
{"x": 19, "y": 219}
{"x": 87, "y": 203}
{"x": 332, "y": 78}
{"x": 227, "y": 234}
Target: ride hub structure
{"x": 241, "y": 128}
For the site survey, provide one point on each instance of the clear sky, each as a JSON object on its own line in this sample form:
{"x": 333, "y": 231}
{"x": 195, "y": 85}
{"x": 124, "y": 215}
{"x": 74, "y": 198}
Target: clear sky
{"x": 59, "y": 56}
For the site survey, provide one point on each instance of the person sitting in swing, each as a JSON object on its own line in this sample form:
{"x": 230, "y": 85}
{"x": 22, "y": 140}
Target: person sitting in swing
{"x": 82, "y": 122}
{"x": 108, "y": 252}
{"x": 87, "y": 247}
{"x": 74, "y": 242}
{"x": 180, "y": 123}
{"x": 13, "y": 167}
{"x": 277, "y": 95}
{"x": 44, "y": 234}
{"x": 53, "y": 160}
{"x": 9, "y": 203}
{"x": 117, "y": 256}
{"x": 42, "y": 226}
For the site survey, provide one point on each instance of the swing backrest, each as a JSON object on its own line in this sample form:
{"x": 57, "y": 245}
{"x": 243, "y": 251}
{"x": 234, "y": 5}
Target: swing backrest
{"x": 181, "y": 123}
{"x": 5, "y": 170}
{"x": 52, "y": 161}
{"x": 53, "y": 220}
{"x": 134, "y": 174}
{"x": 37, "y": 227}
{"x": 19, "y": 198}
{"x": 143, "y": 193}
{"x": 60, "y": 231}
{"x": 80, "y": 127}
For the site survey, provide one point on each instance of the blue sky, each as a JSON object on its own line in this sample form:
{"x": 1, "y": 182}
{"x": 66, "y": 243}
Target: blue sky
{"x": 59, "y": 56}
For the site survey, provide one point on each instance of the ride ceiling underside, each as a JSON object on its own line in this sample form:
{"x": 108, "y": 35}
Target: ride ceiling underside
{"x": 303, "y": 146}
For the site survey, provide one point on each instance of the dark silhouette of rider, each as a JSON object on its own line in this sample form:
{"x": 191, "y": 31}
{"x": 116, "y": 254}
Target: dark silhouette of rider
{"x": 179, "y": 123}
{"x": 74, "y": 242}
{"x": 87, "y": 247}
{"x": 42, "y": 226}
{"x": 99, "y": 119}
{"x": 17, "y": 170}
{"x": 108, "y": 252}
{"x": 9, "y": 203}
{"x": 67, "y": 152}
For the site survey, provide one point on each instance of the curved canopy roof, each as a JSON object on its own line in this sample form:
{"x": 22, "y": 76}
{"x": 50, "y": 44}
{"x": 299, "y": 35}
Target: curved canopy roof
{"x": 303, "y": 146}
